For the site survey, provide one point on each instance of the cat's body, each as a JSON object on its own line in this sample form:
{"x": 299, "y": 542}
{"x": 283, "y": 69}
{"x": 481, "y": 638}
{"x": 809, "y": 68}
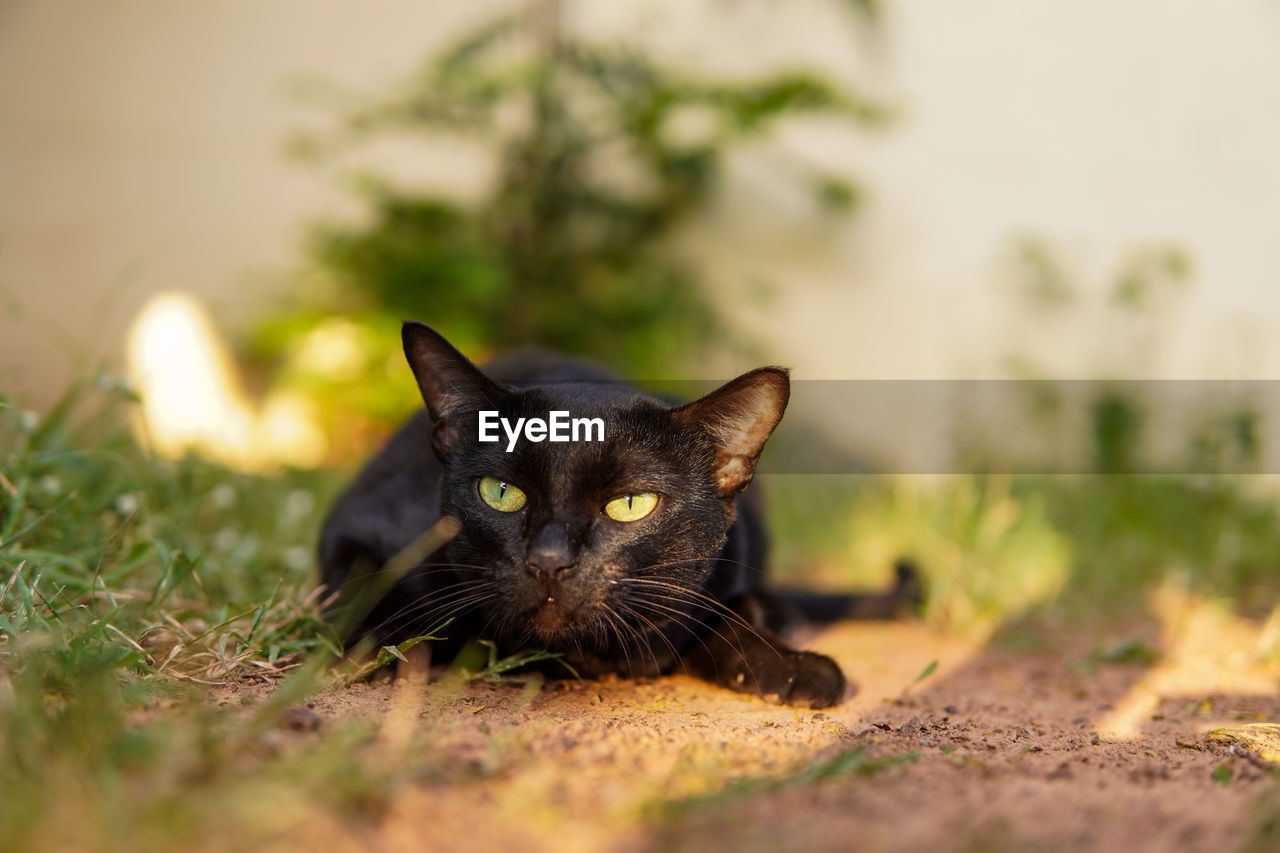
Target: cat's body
{"x": 634, "y": 555}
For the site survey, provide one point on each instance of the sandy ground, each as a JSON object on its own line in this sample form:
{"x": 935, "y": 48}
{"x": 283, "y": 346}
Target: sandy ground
{"x": 1003, "y": 750}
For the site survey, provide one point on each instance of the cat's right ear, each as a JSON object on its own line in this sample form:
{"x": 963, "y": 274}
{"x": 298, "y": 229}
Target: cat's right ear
{"x": 739, "y": 417}
{"x": 451, "y": 386}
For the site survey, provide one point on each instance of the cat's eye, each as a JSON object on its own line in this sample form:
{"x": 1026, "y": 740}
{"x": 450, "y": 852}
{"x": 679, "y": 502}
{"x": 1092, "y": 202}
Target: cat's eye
{"x": 631, "y": 507}
{"x": 503, "y": 497}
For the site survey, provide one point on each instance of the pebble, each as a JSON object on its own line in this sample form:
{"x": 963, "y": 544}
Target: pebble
{"x": 300, "y": 720}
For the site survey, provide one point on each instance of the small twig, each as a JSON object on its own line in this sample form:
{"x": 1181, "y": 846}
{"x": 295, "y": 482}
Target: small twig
{"x": 12, "y": 579}
{"x": 7, "y": 486}
{"x": 125, "y": 595}
{"x": 184, "y": 677}
{"x": 179, "y": 627}
{"x": 1252, "y": 756}
{"x": 126, "y": 638}
{"x": 173, "y": 653}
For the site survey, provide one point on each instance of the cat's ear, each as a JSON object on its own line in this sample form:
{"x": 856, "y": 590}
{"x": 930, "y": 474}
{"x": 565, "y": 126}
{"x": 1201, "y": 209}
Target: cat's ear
{"x": 739, "y": 416}
{"x": 452, "y": 386}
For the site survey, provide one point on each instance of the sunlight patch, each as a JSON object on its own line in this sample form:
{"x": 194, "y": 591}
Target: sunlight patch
{"x": 193, "y": 400}
{"x": 1207, "y": 649}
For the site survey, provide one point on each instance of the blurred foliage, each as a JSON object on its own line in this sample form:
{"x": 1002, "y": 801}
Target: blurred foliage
{"x": 986, "y": 552}
{"x": 1116, "y": 426}
{"x": 603, "y": 155}
{"x": 1094, "y": 541}
{"x": 1134, "y": 314}
{"x": 993, "y": 549}
{"x": 1131, "y": 309}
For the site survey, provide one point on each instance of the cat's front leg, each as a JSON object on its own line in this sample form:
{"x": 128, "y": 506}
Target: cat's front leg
{"x": 750, "y": 659}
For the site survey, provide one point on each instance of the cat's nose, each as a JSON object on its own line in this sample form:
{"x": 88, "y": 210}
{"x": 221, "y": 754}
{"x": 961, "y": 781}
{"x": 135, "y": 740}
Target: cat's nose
{"x": 550, "y": 554}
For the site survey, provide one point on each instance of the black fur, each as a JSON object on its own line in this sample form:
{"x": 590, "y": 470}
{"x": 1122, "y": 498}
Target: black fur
{"x": 678, "y": 590}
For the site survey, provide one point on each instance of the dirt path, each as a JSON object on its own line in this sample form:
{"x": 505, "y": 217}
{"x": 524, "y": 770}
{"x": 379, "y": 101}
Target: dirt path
{"x": 1002, "y": 750}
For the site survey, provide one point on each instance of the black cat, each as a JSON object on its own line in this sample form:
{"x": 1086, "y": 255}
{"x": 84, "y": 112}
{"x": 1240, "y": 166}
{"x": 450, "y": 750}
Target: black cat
{"x": 637, "y": 554}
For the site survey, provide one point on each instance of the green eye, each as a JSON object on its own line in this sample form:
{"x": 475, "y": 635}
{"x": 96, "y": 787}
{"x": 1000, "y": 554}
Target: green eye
{"x": 631, "y": 507}
{"x": 503, "y": 497}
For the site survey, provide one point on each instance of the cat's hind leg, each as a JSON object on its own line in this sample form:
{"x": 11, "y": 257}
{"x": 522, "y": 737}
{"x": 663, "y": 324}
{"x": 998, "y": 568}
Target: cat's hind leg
{"x": 791, "y": 608}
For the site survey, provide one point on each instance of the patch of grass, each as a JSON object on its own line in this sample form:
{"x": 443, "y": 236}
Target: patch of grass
{"x": 188, "y": 568}
{"x": 128, "y": 586}
{"x": 854, "y": 762}
{"x": 127, "y": 583}
{"x": 390, "y": 654}
{"x": 1132, "y": 651}
{"x": 1128, "y": 533}
{"x": 926, "y": 672}
{"x": 493, "y": 667}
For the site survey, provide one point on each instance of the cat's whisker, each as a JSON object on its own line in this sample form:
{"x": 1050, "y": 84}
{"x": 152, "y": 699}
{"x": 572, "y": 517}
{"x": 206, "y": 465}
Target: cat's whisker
{"x": 709, "y": 603}
{"x": 714, "y": 558}
{"x": 425, "y": 610}
{"x": 457, "y": 606}
{"x": 644, "y": 639}
{"x": 503, "y": 618}
{"x": 732, "y": 624}
{"x": 608, "y": 616}
{"x": 692, "y": 598}
{"x": 701, "y": 640}
{"x": 445, "y": 596}
{"x": 364, "y": 579}
{"x": 656, "y": 631}
{"x": 601, "y": 633}
{"x": 424, "y": 568}
{"x": 573, "y": 638}
{"x": 671, "y": 613}
{"x": 469, "y": 583}
{"x": 695, "y": 595}
{"x": 732, "y": 643}
{"x": 641, "y": 641}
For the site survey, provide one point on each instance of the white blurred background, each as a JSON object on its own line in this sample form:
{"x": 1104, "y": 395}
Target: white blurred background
{"x": 142, "y": 150}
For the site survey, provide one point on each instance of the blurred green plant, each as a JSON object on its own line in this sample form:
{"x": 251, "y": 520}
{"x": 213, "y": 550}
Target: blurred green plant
{"x": 603, "y": 154}
{"x": 993, "y": 549}
{"x": 987, "y": 553}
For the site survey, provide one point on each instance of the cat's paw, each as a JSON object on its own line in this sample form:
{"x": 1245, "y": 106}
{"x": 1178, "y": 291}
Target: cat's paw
{"x": 814, "y": 681}
{"x": 767, "y": 668}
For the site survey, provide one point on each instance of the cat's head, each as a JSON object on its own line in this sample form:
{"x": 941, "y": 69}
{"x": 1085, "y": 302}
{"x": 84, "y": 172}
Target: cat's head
{"x": 568, "y": 537}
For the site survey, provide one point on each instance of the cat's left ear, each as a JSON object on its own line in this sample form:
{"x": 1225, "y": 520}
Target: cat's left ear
{"x": 452, "y": 387}
{"x": 739, "y": 416}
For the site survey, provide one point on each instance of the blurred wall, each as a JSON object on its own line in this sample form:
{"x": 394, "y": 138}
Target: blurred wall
{"x": 141, "y": 150}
